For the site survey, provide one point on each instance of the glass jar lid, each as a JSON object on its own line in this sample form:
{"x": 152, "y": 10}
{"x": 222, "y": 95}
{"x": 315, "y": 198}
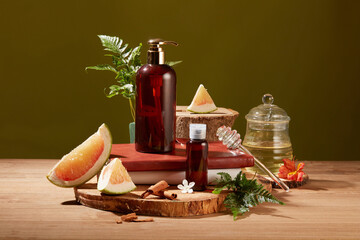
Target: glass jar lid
{"x": 267, "y": 111}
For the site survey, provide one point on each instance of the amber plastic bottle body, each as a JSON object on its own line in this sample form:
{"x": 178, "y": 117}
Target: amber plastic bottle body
{"x": 197, "y": 163}
{"x": 155, "y": 108}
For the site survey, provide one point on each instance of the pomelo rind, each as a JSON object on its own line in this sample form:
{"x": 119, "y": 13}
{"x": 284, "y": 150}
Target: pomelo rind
{"x": 106, "y": 135}
{"x": 106, "y": 187}
{"x": 116, "y": 193}
{"x": 207, "y": 107}
{"x": 203, "y": 112}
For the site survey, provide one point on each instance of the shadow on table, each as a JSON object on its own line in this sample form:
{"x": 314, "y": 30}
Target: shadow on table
{"x": 83, "y": 186}
{"x": 264, "y": 209}
{"x": 70, "y": 202}
{"x": 312, "y": 185}
{"x": 325, "y": 185}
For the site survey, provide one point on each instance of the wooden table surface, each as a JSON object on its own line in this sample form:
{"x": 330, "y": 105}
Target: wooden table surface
{"x": 328, "y": 207}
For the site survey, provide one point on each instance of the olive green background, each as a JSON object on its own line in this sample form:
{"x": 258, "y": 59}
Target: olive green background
{"x": 305, "y": 53}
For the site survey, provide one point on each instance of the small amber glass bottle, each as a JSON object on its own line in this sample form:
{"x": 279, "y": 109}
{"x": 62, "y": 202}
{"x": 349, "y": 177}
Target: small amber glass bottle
{"x": 197, "y": 157}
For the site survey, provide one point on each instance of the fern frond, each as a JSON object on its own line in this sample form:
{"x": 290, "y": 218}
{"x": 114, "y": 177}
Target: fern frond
{"x": 113, "y": 91}
{"x": 172, "y": 63}
{"x": 127, "y": 53}
{"x": 103, "y": 67}
{"x": 112, "y": 44}
{"x": 245, "y": 193}
{"x": 224, "y": 176}
{"x": 124, "y": 48}
{"x": 265, "y": 196}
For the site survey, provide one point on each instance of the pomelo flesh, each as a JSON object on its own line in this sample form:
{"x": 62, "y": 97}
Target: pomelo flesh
{"x": 83, "y": 162}
{"x": 202, "y": 102}
{"x": 114, "y": 179}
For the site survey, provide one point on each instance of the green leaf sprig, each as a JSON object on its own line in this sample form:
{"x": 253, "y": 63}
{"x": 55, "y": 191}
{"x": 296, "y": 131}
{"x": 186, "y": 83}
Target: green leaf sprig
{"x": 244, "y": 193}
{"x": 125, "y": 63}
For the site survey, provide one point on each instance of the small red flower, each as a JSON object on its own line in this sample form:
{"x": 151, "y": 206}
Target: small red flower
{"x": 289, "y": 164}
{"x": 288, "y": 170}
{"x": 283, "y": 172}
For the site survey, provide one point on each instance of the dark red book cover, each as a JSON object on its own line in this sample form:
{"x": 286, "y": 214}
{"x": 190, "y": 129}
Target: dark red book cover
{"x": 219, "y": 157}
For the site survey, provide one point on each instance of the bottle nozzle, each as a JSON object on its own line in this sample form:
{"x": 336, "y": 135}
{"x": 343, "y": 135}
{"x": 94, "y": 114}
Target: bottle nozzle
{"x": 155, "y": 53}
{"x": 159, "y": 41}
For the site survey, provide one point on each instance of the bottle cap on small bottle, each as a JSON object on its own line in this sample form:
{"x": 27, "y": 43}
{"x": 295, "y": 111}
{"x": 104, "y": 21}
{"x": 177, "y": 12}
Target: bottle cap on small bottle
{"x": 197, "y": 131}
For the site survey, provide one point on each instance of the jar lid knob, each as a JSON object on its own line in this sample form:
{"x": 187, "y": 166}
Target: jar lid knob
{"x": 268, "y": 99}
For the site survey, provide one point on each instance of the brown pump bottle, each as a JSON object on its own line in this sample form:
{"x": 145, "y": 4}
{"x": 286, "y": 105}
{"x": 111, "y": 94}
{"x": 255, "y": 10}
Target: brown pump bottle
{"x": 155, "y": 102}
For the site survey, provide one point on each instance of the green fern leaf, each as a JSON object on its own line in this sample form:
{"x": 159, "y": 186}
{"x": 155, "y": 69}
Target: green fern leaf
{"x": 224, "y": 176}
{"x": 112, "y": 44}
{"x": 244, "y": 193}
{"x": 133, "y": 54}
{"x": 123, "y": 49}
{"x": 127, "y": 53}
{"x": 172, "y": 63}
{"x": 113, "y": 91}
{"x": 103, "y": 67}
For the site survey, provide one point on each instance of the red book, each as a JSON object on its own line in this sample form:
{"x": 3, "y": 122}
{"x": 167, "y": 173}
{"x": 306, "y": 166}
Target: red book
{"x": 219, "y": 157}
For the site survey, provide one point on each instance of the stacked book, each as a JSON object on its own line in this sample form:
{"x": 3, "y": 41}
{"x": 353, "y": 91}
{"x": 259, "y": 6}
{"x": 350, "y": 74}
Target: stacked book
{"x": 149, "y": 168}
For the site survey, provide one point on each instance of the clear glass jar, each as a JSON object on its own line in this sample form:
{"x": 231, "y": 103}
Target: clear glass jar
{"x": 267, "y": 134}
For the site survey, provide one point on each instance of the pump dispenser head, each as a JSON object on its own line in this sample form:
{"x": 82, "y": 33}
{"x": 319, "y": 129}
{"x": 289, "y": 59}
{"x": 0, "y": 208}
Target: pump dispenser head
{"x": 197, "y": 131}
{"x": 156, "y": 54}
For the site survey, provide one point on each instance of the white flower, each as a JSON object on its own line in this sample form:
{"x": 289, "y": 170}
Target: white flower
{"x": 186, "y": 187}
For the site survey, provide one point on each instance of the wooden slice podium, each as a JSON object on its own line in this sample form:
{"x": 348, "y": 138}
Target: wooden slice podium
{"x": 214, "y": 120}
{"x": 196, "y": 203}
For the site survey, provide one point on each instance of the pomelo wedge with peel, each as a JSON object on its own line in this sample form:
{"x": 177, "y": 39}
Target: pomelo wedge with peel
{"x": 83, "y": 162}
{"x": 202, "y": 102}
{"x": 114, "y": 179}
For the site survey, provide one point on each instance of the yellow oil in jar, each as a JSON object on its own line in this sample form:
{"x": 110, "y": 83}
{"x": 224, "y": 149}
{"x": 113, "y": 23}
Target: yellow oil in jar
{"x": 271, "y": 157}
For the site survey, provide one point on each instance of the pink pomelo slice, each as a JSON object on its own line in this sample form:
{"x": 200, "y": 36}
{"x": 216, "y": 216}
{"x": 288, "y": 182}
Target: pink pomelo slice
{"x": 114, "y": 179}
{"x": 83, "y": 162}
{"x": 202, "y": 102}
